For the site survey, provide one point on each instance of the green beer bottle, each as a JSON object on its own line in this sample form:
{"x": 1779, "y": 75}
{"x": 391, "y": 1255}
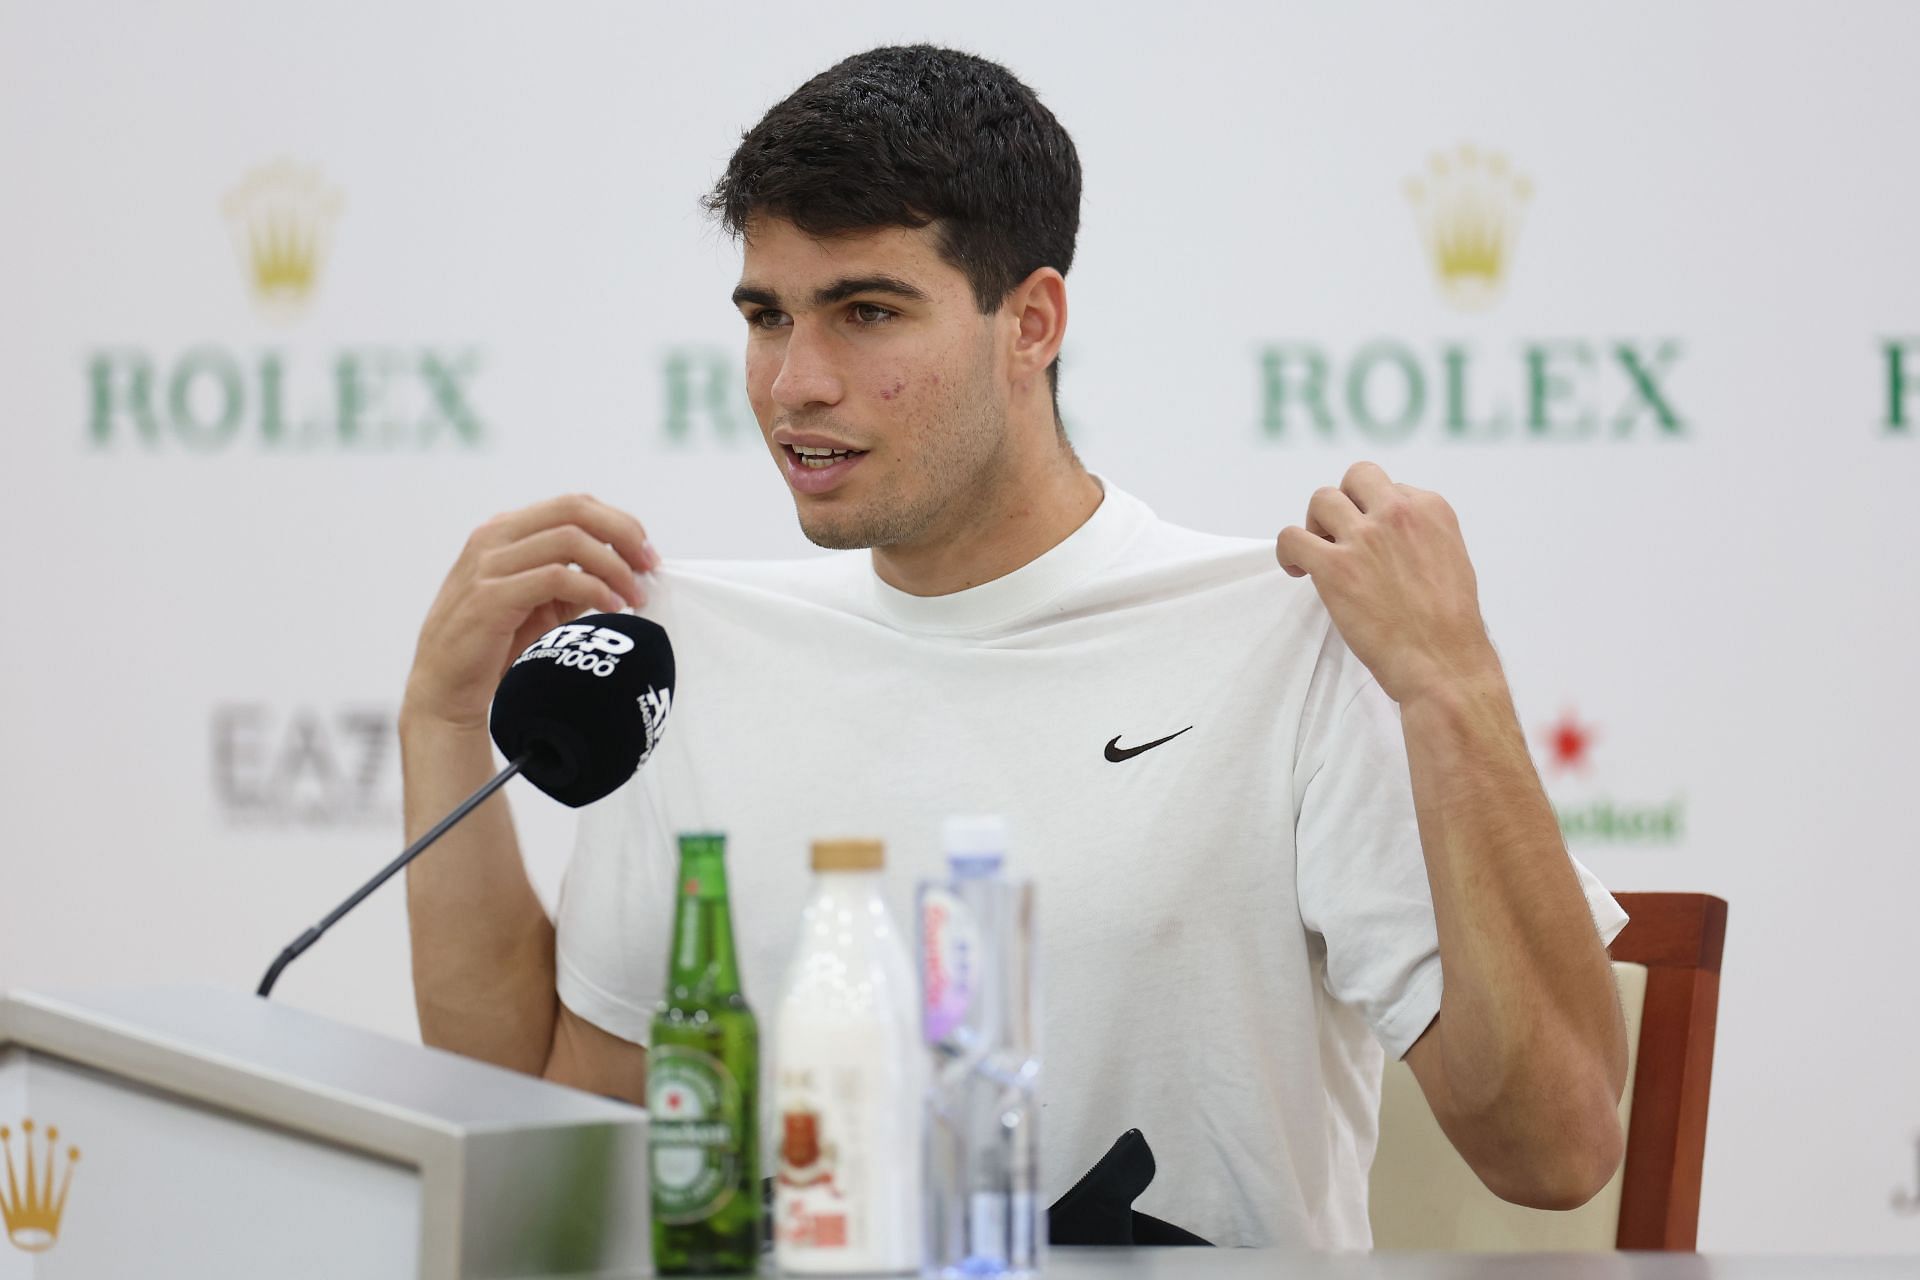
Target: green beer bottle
{"x": 703, "y": 1085}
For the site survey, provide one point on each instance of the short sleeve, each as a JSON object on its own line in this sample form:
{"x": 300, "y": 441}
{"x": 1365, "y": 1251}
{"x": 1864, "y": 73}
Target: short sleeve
{"x": 611, "y": 949}
{"x": 1361, "y": 877}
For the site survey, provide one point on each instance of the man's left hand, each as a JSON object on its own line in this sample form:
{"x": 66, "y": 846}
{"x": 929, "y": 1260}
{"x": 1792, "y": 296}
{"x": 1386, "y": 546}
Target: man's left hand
{"x": 1392, "y": 569}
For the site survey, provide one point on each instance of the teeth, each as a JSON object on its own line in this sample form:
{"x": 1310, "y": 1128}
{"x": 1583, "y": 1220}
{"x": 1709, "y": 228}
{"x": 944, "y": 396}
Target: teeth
{"x": 816, "y": 459}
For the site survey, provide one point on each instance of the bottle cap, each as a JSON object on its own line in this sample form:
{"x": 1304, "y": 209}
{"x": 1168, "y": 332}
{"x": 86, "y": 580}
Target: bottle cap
{"x": 849, "y": 855}
{"x": 974, "y": 836}
{"x": 975, "y": 845}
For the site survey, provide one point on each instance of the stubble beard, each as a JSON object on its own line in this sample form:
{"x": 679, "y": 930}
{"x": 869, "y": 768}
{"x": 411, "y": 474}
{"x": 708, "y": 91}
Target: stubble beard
{"x": 951, "y": 463}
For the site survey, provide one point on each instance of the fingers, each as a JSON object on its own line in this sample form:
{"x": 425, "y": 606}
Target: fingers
{"x": 531, "y": 588}
{"x": 1332, "y": 514}
{"x": 513, "y": 579}
{"x": 610, "y": 525}
{"x": 1367, "y": 484}
{"x": 566, "y": 544}
{"x": 1331, "y": 517}
{"x": 1301, "y": 553}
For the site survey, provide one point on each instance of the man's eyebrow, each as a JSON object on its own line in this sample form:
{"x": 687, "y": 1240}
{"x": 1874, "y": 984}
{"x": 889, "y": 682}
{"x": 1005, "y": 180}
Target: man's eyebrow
{"x": 842, "y": 289}
{"x": 839, "y": 291}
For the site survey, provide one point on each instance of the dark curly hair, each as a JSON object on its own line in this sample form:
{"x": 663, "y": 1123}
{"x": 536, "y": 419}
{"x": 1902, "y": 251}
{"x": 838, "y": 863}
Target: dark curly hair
{"x": 913, "y": 135}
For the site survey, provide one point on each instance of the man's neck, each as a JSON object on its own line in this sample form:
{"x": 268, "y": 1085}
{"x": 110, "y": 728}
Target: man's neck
{"x": 1017, "y": 522}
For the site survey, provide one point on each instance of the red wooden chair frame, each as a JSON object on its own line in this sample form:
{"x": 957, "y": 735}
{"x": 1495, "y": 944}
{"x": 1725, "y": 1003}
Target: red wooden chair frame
{"x": 1679, "y": 938}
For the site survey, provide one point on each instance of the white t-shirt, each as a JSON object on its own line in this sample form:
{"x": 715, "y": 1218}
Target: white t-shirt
{"x": 1232, "y": 923}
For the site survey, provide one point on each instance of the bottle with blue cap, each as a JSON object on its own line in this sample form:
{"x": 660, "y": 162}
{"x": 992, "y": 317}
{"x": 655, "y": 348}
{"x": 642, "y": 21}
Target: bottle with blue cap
{"x": 983, "y": 1215}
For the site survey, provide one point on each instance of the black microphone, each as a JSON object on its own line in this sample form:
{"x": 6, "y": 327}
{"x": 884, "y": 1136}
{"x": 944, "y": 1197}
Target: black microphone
{"x": 578, "y": 713}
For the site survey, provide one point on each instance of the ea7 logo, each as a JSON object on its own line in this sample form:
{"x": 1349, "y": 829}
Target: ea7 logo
{"x": 580, "y": 635}
{"x": 304, "y": 766}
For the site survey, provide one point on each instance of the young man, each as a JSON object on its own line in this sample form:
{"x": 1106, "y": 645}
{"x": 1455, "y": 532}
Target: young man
{"x": 1266, "y": 811}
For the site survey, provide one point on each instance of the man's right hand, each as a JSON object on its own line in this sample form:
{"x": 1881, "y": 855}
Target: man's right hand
{"x": 483, "y": 946}
{"x": 520, "y": 575}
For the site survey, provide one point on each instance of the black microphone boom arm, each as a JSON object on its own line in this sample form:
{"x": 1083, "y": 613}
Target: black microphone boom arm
{"x": 413, "y": 851}
{"x": 579, "y": 711}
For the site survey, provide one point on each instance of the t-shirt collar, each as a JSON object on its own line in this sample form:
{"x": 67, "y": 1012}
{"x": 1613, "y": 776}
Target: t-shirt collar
{"x": 1027, "y": 589}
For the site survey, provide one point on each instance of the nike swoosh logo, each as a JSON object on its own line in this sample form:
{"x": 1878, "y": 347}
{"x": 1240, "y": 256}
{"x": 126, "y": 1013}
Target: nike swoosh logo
{"x": 1117, "y": 753}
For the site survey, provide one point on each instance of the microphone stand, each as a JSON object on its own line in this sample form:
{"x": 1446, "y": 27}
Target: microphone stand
{"x": 413, "y": 851}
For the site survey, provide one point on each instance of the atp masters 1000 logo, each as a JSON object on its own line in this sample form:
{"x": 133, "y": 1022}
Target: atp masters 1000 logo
{"x": 211, "y": 396}
{"x": 1468, "y": 208}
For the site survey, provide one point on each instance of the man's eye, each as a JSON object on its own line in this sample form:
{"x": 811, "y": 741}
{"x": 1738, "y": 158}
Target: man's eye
{"x": 871, "y": 313}
{"x": 767, "y": 319}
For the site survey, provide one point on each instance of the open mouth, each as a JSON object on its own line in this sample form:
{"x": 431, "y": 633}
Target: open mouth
{"x": 820, "y": 459}
{"x": 818, "y": 469}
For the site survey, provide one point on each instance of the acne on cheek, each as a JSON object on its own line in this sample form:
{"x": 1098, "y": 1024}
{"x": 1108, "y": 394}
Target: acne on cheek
{"x": 899, "y": 385}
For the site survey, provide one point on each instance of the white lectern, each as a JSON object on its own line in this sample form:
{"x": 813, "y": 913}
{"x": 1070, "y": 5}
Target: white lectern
{"x": 180, "y": 1132}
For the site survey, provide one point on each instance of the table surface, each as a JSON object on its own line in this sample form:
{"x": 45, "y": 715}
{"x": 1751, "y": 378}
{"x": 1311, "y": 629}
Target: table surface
{"x": 1280, "y": 1264}
{"x": 1247, "y": 1264}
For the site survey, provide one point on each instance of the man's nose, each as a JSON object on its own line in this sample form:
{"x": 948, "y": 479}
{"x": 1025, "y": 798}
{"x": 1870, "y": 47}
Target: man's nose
{"x": 807, "y": 375}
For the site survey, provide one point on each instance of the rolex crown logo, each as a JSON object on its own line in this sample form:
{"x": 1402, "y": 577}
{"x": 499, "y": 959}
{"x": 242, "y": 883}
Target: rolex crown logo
{"x": 1469, "y": 206}
{"x": 282, "y": 218}
{"x": 30, "y": 1204}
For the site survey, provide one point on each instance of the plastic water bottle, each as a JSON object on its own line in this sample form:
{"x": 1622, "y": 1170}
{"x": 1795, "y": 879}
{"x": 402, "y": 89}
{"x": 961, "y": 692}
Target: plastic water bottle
{"x": 983, "y": 1215}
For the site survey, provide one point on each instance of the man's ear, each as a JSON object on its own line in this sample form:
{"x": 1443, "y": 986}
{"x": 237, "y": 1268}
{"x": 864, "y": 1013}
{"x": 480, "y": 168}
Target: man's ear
{"x": 1038, "y": 310}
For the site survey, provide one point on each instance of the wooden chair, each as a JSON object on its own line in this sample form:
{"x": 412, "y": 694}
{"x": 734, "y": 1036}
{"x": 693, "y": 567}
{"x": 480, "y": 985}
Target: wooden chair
{"x": 1679, "y": 938}
{"x": 1667, "y": 966}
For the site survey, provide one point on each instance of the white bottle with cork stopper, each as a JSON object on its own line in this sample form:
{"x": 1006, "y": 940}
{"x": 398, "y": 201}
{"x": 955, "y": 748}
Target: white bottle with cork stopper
{"x": 849, "y": 1080}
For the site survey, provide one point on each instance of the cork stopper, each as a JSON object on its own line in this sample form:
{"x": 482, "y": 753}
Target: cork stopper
{"x": 848, "y": 855}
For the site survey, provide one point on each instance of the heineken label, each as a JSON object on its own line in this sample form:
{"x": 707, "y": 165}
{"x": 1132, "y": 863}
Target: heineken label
{"x": 695, "y": 1133}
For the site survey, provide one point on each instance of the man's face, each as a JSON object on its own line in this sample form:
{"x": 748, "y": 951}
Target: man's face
{"x": 875, "y": 379}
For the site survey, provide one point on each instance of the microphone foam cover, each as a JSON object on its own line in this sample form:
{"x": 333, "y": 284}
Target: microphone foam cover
{"x": 589, "y": 701}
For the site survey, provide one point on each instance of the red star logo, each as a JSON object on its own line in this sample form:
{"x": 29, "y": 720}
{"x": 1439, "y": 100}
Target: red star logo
{"x": 1567, "y": 743}
{"x": 673, "y": 1101}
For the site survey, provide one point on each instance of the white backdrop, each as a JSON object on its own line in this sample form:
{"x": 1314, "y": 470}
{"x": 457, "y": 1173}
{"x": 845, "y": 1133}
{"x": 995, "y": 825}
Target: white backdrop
{"x": 290, "y": 299}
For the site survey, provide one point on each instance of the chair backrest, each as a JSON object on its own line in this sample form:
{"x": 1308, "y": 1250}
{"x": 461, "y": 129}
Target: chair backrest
{"x": 1679, "y": 937}
{"x": 1667, "y": 966}
{"x": 1424, "y": 1196}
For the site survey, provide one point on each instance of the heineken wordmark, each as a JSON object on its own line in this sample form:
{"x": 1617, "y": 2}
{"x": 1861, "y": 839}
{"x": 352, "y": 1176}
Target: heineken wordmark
{"x": 703, "y": 1079}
